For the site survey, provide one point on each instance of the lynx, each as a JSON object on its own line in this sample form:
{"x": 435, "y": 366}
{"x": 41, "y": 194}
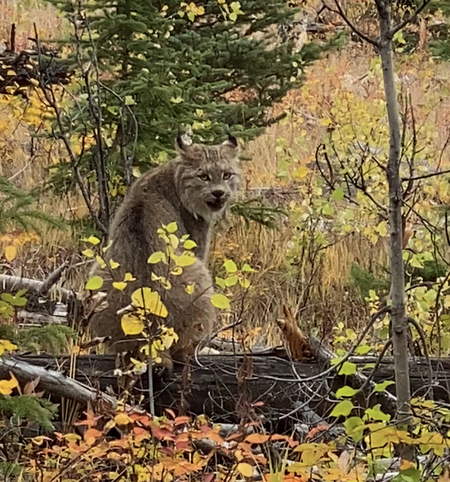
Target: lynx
{"x": 192, "y": 190}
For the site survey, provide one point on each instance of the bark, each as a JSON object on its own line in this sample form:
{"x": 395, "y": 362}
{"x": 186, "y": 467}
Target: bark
{"x": 398, "y": 313}
{"x": 214, "y": 386}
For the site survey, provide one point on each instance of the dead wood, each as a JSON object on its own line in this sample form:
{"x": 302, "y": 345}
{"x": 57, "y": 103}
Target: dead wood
{"x": 324, "y": 356}
{"x": 28, "y": 68}
{"x": 53, "y": 382}
{"x": 14, "y": 283}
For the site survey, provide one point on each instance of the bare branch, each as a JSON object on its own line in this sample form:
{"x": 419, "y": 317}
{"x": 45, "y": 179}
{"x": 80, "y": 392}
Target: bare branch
{"x": 425, "y": 176}
{"x": 410, "y": 19}
{"x": 344, "y": 17}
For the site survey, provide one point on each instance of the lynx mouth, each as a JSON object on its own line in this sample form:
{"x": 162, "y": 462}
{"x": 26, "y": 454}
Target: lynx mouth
{"x": 216, "y": 205}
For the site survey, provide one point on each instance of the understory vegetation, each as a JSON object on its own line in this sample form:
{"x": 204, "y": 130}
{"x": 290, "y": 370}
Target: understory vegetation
{"x": 98, "y": 94}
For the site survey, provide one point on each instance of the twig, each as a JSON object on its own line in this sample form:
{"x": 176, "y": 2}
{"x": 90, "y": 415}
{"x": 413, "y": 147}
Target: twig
{"x": 53, "y": 278}
{"x": 344, "y": 17}
{"x": 410, "y": 19}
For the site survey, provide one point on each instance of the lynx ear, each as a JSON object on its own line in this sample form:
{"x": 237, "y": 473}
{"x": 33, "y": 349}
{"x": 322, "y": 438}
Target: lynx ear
{"x": 183, "y": 142}
{"x": 231, "y": 142}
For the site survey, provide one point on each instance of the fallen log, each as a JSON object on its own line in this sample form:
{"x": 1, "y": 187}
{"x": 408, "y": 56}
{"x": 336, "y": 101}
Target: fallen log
{"x": 214, "y": 386}
{"x": 52, "y": 381}
{"x": 14, "y": 283}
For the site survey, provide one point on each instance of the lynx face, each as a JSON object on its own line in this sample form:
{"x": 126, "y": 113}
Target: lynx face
{"x": 207, "y": 177}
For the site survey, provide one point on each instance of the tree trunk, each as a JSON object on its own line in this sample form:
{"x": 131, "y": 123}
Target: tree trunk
{"x": 398, "y": 314}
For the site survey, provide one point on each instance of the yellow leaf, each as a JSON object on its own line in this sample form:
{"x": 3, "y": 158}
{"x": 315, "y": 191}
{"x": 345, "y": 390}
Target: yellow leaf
{"x": 183, "y": 260}
{"x": 245, "y": 469}
{"x": 122, "y": 419}
{"x": 92, "y": 239}
{"x": 100, "y": 261}
{"x": 95, "y": 283}
{"x": 10, "y": 252}
{"x": 132, "y": 325}
{"x": 113, "y": 264}
{"x": 88, "y": 253}
{"x": 7, "y": 345}
{"x": 190, "y": 288}
{"x": 149, "y": 300}
{"x": 157, "y": 257}
{"x": 119, "y": 285}
{"x": 176, "y": 271}
{"x": 7, "y": 386}
{"x": 128, "y": 277}
{"x": 174, "y": 241}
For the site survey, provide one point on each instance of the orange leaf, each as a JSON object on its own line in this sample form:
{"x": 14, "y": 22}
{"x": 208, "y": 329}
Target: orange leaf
{"x": 182, "y": 420}
{"x": 256, "y": 438}
{"x": 91, "y": 435}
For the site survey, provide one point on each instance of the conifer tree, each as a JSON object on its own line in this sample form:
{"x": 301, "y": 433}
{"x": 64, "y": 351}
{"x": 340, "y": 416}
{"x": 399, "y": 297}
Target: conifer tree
{"x": 170, "y": 65}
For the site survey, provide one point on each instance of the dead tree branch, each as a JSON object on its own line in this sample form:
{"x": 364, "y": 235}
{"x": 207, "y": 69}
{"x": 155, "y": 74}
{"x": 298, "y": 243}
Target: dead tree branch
{"x": 53, "y": 382}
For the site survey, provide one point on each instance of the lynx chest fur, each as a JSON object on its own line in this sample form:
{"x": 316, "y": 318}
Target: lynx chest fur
{"x": 191, "y": 190}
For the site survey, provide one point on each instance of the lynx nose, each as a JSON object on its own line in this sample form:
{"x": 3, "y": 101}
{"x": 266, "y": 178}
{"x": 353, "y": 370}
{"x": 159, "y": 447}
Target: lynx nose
{"x": 218, "y": 193}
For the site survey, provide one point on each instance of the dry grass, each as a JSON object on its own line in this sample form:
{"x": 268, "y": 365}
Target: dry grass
{"x": 24, "y": 14}
{"x": 320, "y": 290}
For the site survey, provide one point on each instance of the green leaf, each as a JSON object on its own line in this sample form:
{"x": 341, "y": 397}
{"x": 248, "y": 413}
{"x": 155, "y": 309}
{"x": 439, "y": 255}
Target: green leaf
{"x": 342, "y": 409}
{"x": 95, "y": 283}
{"x": 231, "y": 281}
{"x": 230, "y": 266}
{"x": 346, "y": 392}
{"x": 129, "y": 100}
{"x": 377, "y": 414}
{"x": 381, "y": 387}
{"x": 363, "y": 349}
{"x": 411, "y": 474}
{"x": 245, "y": 283}
{"x": 233, "y": 16}
{"x": 189, "y": 244}
{"x": 338, "y": 194}
{"x": 221, "y": 282}
{"x": 354, "y": 428}
{"x": 348, "y": 369}
{"x": 172, "y": 227}
{"x": 327, "y": 209}
{"x": 19, "y": 301}
{"x": 157, "y": 257}
{"x": 246, "y": 268}
{"x": 220, "y": 301}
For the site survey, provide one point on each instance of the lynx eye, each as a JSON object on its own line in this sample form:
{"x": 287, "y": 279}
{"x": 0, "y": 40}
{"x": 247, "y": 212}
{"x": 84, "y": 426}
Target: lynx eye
{"x": 227, "y": 175}
{"x": 204, "y": 177}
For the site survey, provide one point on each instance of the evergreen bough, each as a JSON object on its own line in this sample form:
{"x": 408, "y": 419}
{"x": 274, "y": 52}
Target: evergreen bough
{"x": 159, "y": 67}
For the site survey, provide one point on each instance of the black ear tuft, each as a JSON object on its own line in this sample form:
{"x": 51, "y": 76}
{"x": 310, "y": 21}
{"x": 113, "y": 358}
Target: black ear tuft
{"x": 180, "y": 143}
{"x": 231, "y": 142}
